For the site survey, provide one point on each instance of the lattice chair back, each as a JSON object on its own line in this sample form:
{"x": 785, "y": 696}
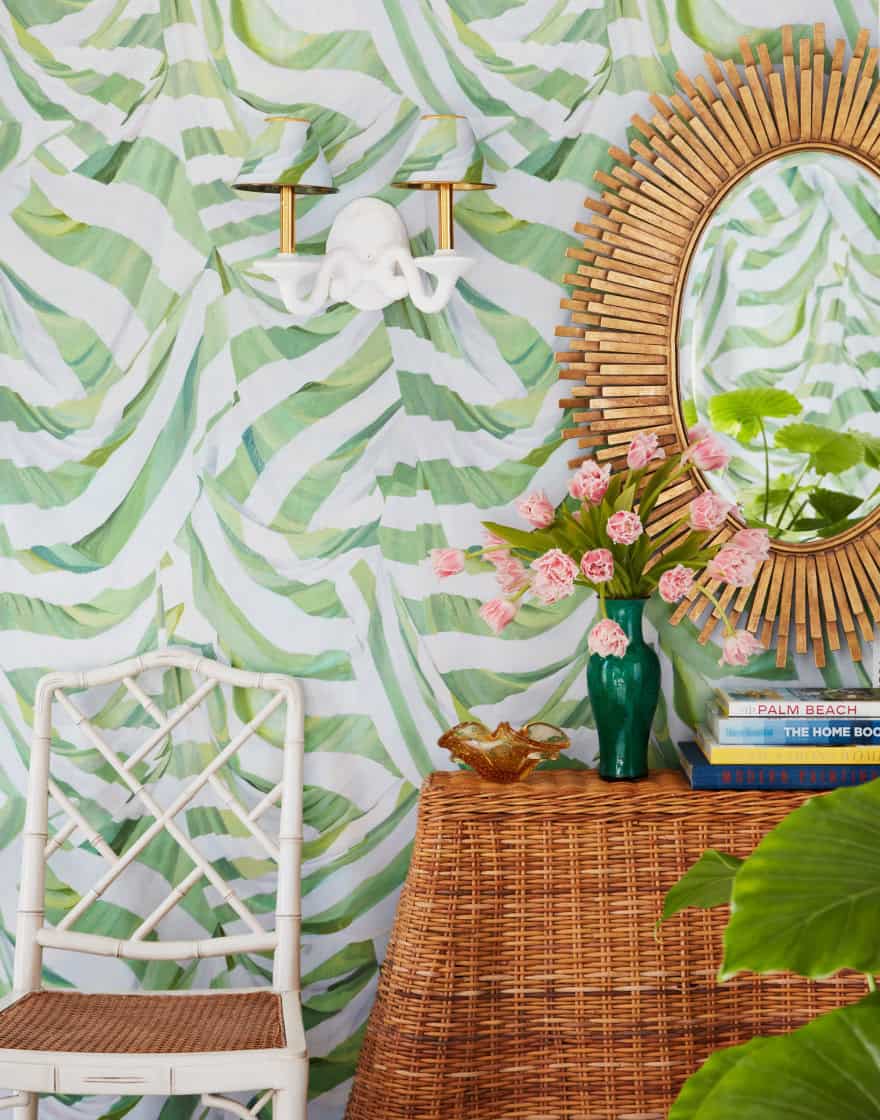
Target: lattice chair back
{"x": 33, "y": 934}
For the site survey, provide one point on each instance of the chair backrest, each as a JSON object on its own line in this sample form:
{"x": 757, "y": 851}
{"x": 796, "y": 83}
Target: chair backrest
{"x": 32, "y": 932}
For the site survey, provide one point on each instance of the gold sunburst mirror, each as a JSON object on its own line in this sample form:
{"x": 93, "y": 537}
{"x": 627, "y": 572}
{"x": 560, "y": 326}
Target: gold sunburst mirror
{"x": 729, "y": 275}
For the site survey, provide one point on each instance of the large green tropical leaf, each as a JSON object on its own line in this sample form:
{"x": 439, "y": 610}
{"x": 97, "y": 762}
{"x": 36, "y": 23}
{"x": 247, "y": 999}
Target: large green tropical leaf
{"x": 807, "y": 900}
{"x": 827, "y": 1070}
{"x": 700, "y": 1085}
{"x": 741, "y": 412}
{"x": 707, "y": 883}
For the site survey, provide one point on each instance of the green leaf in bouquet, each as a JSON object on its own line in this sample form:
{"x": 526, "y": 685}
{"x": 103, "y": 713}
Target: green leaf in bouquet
{"x": 828, "y": 1068}
{"x": 830, "y": 452}
{"x": 808, "y": 898}
{"x": 537, "y": 541}
{"x": 573, "y": 533}
{"x": 654, "y": 487}
{"x": 626, "y": 497}
{"x": 708, "y": 883}
{"x": 742, "y": 412}
{"x": 685, "y": 553}
{"x": 615, "y": 485}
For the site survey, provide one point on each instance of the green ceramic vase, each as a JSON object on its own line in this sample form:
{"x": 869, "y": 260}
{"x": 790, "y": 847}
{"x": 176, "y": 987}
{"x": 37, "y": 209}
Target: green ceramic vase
{"x": 624, "y": 692}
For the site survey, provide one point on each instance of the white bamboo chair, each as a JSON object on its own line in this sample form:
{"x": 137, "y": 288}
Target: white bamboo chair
{"x": 194, "y": 1042}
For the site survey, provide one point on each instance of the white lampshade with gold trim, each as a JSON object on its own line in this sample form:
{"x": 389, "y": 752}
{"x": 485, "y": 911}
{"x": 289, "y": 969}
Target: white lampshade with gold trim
{"x": 286, "y": 158}
{"x": 443, "y": 156}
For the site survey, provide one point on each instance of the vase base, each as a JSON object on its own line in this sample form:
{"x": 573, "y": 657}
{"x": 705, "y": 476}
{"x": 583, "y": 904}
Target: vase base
{"x": 623, "y": 777}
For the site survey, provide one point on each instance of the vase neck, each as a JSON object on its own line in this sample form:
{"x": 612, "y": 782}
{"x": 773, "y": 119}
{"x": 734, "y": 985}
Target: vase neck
{"x": 627, "y": 613}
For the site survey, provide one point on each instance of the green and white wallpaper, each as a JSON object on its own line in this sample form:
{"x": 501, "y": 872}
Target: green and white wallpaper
{"x": 180, "y": 462}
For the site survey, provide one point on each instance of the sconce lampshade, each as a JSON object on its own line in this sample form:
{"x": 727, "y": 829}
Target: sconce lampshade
{"x": 443, "y": 150}
{"x": 286, "y": 158}
{"x": 286, "y": 154}
{"x": 443, "y": 156}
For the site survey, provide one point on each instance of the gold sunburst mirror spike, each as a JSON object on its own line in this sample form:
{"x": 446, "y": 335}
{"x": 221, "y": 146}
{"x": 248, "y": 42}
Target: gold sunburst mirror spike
{"x": 716, "y": 208}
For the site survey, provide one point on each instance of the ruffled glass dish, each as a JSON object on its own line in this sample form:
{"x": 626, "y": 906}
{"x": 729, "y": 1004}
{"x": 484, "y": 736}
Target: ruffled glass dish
{"x": 505, "y": 754}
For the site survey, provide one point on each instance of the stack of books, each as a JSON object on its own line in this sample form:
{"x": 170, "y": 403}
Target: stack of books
{"x": 786, "y": 738}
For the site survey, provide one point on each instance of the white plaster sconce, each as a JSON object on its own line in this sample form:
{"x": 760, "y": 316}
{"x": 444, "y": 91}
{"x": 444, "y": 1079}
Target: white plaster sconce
{"x": 368, "y": 262}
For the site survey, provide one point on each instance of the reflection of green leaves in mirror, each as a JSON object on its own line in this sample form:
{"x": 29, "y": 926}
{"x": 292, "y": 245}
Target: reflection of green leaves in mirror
{"x": 834, "y": 509}
{"x": 777, "y": 329}
{"x": 829, "y": 452}
{"x": 871, "y": 448}
{"x": 741, "y": 412}
{"x": 832, "y": 504}
{"x": 794, "y": 501}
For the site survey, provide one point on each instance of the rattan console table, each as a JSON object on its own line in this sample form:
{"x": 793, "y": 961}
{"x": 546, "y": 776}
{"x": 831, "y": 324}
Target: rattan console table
{"x": 523, "y": 980}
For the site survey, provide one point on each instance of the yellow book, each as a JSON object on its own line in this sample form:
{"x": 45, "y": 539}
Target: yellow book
{"x": 760, "y": 755}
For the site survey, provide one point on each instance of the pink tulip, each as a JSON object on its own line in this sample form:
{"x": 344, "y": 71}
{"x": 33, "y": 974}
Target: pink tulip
{"x": 644, "y": 448}
{"x": 497, "y": 614}
{"x": 708, "y": 511}
{"x": 607, "y": 639}
{"x": 675, "y": 584}
{"x": 624, "y": 527}
{"x": 754, "y": 541}
{"x": 598, "y": 565}
{"x": 590, "y": 482}
{"x": 706, "y": 449}
{"x": 537, "y": 509}
{"x": 554, "y": 576}
{"x": 447, "y": 561}
{"x": 734, "y": 566}
{"x": 511, "y": 575}
{"x": 738, "y": 648}
{"x": 499, "y": 546}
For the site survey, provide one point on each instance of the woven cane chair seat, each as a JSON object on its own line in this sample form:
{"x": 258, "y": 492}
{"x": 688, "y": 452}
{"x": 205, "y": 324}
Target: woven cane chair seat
{"x": 79, "y": 1022}
{"x": 202, "y": 1043}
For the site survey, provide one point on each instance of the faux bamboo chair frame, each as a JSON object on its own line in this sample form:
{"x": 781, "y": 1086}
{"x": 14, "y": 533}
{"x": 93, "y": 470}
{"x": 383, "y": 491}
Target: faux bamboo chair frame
{"x": 626, "y": 299}
{"x": 279, "y": 1070}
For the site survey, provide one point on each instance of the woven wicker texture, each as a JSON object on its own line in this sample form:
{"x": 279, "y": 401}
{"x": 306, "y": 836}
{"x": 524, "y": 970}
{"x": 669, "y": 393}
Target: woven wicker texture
{"x": 523, "y": 979}
{"x": 143, "y": 1024}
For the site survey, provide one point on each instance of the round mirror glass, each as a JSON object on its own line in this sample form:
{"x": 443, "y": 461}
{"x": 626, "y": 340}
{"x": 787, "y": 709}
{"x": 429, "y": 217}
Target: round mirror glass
{"x": 779, "y": 343}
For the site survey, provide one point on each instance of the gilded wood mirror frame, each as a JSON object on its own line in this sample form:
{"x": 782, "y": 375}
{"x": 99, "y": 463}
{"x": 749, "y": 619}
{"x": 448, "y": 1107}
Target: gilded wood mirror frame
{"x": 626, "y": 298}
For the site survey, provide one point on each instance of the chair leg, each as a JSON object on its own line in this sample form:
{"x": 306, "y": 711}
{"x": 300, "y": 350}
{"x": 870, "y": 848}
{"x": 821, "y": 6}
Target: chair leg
{"x": 28, "y": 1111}
{"x": 290, "y": 1104}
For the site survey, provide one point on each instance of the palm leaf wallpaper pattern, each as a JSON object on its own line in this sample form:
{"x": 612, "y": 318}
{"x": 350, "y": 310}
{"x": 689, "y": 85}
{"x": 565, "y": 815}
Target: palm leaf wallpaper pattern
{"x": 180, "y": 462}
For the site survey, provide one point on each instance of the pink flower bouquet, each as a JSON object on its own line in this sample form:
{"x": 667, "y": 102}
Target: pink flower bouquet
{"x": 597, "y": 537}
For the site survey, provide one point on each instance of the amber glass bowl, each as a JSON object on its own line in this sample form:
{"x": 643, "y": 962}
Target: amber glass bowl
{"x": 505, "y": 754}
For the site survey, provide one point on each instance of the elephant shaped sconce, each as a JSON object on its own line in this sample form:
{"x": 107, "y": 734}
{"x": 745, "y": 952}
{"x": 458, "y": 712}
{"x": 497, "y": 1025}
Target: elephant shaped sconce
{"x": 368, "y": 262}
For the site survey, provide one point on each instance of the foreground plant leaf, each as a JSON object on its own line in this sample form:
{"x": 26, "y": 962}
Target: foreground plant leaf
{"x": 700, "y": 1085}
{"x": 808, "y": 898}
{"x": 827, "y": 1070}
{"x": 708, "y": 883}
